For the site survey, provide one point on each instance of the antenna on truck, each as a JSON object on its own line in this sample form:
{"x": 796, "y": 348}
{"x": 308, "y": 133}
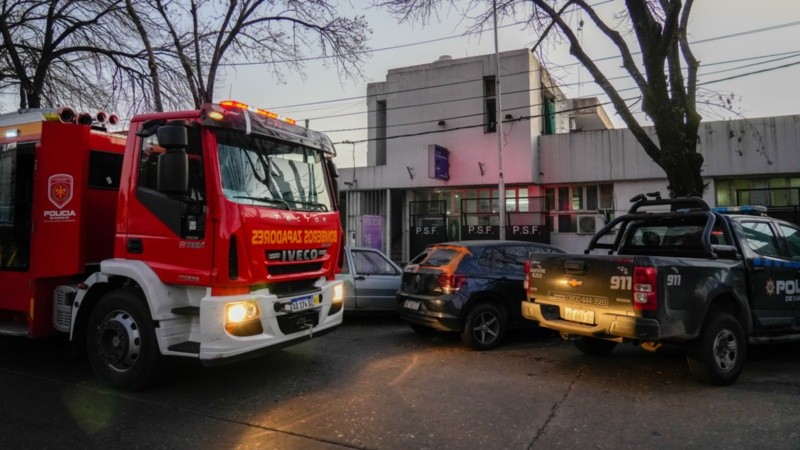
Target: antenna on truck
{"x": 654, "y": 195}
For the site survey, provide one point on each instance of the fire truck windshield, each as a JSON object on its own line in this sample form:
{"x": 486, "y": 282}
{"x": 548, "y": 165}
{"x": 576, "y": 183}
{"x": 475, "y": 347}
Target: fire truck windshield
{"x": 258, "y": 170}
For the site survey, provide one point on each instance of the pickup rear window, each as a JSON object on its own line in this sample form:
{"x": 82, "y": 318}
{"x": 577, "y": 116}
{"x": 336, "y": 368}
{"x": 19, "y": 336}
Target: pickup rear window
{"x": 671, "y": 234}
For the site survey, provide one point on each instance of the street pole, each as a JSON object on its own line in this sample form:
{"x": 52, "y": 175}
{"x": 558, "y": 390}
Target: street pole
{"x": 501, "y": 185}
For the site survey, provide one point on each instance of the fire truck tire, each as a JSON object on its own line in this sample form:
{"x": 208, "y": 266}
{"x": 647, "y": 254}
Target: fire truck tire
{"x": 121, "y": 341}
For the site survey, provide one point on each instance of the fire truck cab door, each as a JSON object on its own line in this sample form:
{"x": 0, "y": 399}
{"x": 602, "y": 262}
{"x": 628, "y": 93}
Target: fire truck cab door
{"x": 166, "y": 231}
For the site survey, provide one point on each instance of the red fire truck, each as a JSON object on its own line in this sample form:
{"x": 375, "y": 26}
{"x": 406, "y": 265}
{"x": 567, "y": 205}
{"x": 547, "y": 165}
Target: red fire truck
{"x": 212, "y": 234}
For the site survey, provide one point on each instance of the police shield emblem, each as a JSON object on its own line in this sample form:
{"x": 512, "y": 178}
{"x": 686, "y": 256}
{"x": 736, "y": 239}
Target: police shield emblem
{"x": 60, "y": 189}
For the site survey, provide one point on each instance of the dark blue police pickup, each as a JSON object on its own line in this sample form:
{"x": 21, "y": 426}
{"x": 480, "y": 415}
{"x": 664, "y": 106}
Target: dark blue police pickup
{"x": 709, "y": 279}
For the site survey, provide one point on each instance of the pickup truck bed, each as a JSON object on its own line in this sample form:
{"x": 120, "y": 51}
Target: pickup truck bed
{"x": 691, "y": 276}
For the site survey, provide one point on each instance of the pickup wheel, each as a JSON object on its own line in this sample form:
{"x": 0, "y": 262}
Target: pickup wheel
{"x": 121, "y": 341}
{"x": 484, "y": 327}
{"x": 594, "y": 346}
{"x": 718, "y": 354}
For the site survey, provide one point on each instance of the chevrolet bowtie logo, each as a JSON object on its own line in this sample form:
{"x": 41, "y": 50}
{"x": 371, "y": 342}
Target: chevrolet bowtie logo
{"x": 574, "y": 283}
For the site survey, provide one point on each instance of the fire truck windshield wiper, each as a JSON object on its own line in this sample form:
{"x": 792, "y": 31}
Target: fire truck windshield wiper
{"x": 320, "y": 206}
{"x": 274, "y": 201}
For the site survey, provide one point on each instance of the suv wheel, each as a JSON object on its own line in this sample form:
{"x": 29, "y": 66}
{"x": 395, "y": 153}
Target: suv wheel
{"x": 484, "y": 327}
{"x": 717, "y": 355}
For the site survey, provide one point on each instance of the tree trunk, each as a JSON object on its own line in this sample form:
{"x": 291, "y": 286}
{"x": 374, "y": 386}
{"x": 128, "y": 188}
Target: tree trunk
{"x": 34, "y": 99}
{"x": 683, "y": 167}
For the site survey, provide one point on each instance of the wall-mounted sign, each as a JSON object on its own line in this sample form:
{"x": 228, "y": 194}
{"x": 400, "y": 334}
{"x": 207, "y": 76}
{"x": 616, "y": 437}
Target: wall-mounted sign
{"x": 372, "y": 231}
{"x": 474, "y": 232}
{"x": 531, "y": 233}
{"x": 438, "y": 162}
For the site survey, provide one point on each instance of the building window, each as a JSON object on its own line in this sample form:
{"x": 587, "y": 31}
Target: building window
{"x": 771, "y": 192}
{"x": 380, "y": 134}
{"x": 489, "y": 104}
{"x": 549, "y": 116}
{"x": 566, "y": 203}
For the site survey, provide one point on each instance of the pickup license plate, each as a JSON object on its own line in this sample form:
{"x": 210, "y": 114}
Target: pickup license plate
{"x": 411, "y": 304}
{"x": 303, "y": 303}
{"x": 579, "y": 315}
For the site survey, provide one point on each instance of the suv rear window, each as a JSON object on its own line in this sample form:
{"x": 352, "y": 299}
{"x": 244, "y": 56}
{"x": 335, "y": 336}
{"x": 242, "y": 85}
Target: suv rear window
{"x": 438, "y": 257}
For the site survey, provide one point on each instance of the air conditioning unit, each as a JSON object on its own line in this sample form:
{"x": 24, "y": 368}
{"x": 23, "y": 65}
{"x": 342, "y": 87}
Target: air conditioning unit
{"x": 589, "y": 223}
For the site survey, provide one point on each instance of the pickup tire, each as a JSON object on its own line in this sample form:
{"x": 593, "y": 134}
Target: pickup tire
{"x": 594, "y": 346}
{"x": 484, "y": 327}
{"x": 718, "y": 354}
{"x": 121, "y": 341}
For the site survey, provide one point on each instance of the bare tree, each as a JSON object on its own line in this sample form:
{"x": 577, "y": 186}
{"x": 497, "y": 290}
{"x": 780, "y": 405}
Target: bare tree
{"x": 664, "y": 72}
{"x": 62, "y": 51}
{"x": 157, "y": 54}
{"x": 164, "y": 86}
{"x": 205, "y": 35}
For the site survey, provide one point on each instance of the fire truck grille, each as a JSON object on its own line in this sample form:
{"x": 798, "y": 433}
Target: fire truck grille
{"x": 292, "y": 323}
{"x": 289, "y": 269}
{"x": 294, "y": 288}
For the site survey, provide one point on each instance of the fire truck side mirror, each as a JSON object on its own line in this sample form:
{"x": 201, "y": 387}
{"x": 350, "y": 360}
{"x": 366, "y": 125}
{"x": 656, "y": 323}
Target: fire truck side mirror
{"x": 334, "y": 171}
{"x": 173, "y": 164}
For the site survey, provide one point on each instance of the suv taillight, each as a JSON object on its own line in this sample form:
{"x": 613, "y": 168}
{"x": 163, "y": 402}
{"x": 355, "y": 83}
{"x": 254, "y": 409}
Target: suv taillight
{"x": 645, "y": 288}
{"x": 451, "y": 282}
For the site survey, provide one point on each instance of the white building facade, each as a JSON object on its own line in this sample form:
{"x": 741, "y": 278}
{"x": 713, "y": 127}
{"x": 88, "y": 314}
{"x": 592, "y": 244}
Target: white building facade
{"x": 433, "y": 160}
{"x": 746, "y": 162}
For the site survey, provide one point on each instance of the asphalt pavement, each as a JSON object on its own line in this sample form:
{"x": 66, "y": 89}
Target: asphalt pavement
{"x": 376, "y": 384}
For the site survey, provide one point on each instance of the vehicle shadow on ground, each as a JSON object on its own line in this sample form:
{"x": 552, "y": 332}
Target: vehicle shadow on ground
{"x": 52, "y": 354}
{"x": 518, "y": 338}
{"x": 765, "y": 364}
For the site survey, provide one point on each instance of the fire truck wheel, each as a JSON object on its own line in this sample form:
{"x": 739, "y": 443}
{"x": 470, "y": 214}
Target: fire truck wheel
{"x": 121, "y": 341}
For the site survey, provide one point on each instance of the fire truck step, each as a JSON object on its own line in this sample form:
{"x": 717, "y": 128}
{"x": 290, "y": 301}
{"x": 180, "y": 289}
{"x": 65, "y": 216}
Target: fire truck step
{"x": 13, "y": 329}
{"x": 186, "y": 347}
{"x": 187, "y": 310}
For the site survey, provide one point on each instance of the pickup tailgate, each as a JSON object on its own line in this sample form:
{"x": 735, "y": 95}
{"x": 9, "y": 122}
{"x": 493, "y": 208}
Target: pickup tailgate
{"x": 592, "y": 295}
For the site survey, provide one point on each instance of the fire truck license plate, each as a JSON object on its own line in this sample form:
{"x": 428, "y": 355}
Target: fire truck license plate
{"x": 579, "y": 315}
{"x": 302, "y": 303}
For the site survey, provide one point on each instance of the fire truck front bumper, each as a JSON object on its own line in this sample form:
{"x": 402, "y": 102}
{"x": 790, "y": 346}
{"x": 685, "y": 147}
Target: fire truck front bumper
{"x": 245, "y": 326}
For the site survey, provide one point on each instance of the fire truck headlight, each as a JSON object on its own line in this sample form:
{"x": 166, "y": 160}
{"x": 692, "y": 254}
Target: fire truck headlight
{"x": 243, "y": 318}
{"x": 241, "y": 312}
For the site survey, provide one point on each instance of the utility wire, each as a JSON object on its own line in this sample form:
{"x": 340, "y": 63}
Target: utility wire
{"x": 606, "y": 58}
{"x": 334, "y": 116}
{"x": 509, "y": 93}
{"x": 529, "y": 117}
{"x": 393, "y": 47}
{"x": 782, "y": 55}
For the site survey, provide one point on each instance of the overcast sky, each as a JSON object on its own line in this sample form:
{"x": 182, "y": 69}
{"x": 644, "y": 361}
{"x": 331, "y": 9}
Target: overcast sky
{"x": 771, "y": 93}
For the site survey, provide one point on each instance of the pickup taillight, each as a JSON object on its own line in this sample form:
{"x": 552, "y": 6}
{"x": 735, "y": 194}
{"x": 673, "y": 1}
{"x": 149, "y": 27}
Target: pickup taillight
{"x": 645, "y": 288}
{"x": 526, "y": 269}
